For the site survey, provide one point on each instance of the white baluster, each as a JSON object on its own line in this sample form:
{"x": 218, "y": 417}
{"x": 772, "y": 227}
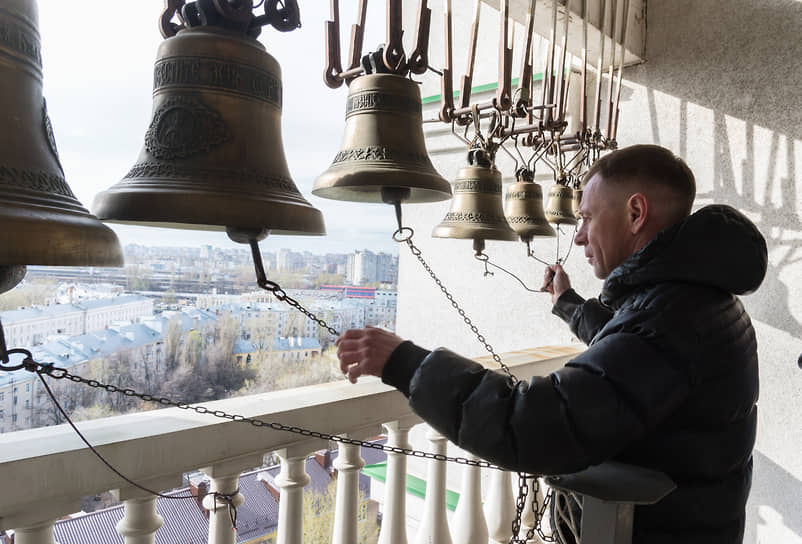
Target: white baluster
{"x": 346, "y": 512}
{"x": 500, "y": 506}
{"x": 434, "y": 527}
{"x": 291, "y": 480}
{"x": 225, "y": 481}
{"x": 41, "y": 533}
{"x": 35, "y": 526}
{"x": 470, "y": 526}
{"x": 141, "y": 521}
{"x": 394, "y": 518}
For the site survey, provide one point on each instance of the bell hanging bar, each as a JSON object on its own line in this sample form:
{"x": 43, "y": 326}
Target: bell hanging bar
{"x": 467, "y": 79}
{"x": 333, "y": 66}
{"x": 446, "y": 79}
{"x": 583, "y": 98}
{"x": 548, "y": 76}
{"x": 394, "y": 58}
{"x": 524, "y": 92}
{"x": 612, "y": 135}
{"x": 504, "y": 89}
{"x": 614, "y": 12}
{"x": 560, "y": 87}
{"x": 599, "y": 72}
{"x": 419, "y": 59}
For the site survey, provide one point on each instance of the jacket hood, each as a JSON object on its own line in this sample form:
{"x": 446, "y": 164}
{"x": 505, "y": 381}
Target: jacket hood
{"x": 716, "y": 246}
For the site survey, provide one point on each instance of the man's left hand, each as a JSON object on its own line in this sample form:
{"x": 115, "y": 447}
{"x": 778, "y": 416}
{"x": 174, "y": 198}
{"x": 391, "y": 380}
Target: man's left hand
{"x": 365, "y": 351}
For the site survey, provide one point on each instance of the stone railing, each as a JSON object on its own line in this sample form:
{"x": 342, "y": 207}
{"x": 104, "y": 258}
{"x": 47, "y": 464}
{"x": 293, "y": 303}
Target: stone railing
{"x": 45, "y": 472}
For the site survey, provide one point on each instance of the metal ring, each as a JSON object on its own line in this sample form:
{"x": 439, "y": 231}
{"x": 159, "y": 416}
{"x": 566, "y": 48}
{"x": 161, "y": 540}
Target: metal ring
{"x": 12, "y": 368}
{"x": 399, "y": 236}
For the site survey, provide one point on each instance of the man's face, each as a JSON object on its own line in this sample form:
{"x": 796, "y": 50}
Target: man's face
{"x": 605, "y": 228}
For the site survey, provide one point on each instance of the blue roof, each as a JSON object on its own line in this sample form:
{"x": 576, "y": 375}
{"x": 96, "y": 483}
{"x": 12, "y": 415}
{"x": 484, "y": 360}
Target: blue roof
{"x": 112, "y": 301}
{"x": 291, "y": 344}
{"x": 243, "y": 346}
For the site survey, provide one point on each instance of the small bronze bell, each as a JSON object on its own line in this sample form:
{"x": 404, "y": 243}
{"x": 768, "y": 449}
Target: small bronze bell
{"x": 523, "y": 207}
{"x": 560, "y": 208}
{"x": 476, "y": 209}
{"x": 213, "y": 156}
{"x": 42, "y": 221}
{"x": 383, "y": 146}
{"x": 576, "y": 201}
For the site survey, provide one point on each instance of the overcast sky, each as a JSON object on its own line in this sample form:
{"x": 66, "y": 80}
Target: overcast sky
{"x": 98, "y": 65}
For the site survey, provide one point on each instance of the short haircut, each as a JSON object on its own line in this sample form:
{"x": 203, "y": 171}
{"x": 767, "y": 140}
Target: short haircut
{"x": 645, "y": 166}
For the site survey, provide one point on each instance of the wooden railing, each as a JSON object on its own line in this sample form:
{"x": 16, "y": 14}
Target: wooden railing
{"x": 45, "y": 472}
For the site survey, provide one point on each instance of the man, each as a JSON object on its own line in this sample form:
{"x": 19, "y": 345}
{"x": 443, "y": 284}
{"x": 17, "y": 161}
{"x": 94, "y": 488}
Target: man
{"x": 669, "y": 380}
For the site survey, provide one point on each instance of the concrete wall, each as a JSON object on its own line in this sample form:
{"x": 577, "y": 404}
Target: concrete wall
{"x": 722, "y": 87}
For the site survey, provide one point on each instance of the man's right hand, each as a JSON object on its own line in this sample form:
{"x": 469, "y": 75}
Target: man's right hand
{"x": 556, "y": 282}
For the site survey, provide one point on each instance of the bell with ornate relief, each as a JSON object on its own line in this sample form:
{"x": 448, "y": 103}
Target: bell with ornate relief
{"x": 476, "y": 210}
{"x": 560, "y": 207}
{"x": 523, "y": 207}
{"x": 383, "y": 151}
{"x": 43, "y": 223}
{"x": 213, "y": 157}
{"x": 576, "y": 200}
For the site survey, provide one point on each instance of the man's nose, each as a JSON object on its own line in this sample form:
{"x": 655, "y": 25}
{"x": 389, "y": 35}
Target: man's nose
{"x": 580, "y": 239}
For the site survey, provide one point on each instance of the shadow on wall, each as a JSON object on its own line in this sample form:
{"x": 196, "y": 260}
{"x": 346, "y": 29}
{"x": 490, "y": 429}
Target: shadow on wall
{"x": 774, "y": 511}
{"x": 741, "y": 60}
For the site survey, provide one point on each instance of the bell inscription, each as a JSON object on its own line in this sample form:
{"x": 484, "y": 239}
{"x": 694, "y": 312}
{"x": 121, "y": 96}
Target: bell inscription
{"x": 16, "y": 38}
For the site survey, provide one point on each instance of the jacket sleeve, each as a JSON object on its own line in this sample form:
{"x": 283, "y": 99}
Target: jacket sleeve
{"x": 585, "y": 317}
{"x": 578, "y": 416}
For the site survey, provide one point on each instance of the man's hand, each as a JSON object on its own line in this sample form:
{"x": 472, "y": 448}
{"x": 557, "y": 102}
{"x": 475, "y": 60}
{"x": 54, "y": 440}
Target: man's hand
{"x": 556, "y": 282}
{"x": 365, "y": 351}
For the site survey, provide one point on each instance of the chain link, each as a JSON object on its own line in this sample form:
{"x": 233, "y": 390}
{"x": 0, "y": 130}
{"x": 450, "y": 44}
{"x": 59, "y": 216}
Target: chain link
{"x": 282, "y": 296}
{"x": 63, "y": 374}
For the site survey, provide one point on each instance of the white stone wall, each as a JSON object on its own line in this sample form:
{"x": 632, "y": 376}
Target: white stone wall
{"x": 721, "y": 87}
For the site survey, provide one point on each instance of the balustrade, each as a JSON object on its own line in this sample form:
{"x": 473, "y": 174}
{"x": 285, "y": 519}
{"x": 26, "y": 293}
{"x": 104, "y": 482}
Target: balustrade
{"x": 45, "y": 472}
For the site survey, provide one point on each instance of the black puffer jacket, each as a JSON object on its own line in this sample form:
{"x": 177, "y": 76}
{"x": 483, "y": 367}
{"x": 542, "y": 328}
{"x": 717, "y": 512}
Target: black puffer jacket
{"x": 669, "y": 381}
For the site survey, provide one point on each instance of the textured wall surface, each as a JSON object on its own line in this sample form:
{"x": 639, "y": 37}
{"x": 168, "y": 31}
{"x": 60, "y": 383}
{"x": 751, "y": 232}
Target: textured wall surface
{"x": 722, "y": 87}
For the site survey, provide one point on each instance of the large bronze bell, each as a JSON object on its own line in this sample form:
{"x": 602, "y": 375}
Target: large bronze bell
{"x": 560, "y": 207}
{"x": 523, "y": 207}
{"x": 42, "y": 222}
{"x": 213, "y": 155}
{"x": 476, "y": 209}
{"x": 383, "y": 149}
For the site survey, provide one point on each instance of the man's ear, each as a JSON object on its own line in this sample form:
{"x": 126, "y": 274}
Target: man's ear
{"x": 638, "y": 210}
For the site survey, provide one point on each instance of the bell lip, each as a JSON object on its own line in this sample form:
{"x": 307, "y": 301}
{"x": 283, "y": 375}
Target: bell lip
{"x": 535, "y": 230}
{"x": 68, "y": 239}
{"x": 464, "y": 233}
{"x": 350, "y": 186}
{"x": 179, "y": 210}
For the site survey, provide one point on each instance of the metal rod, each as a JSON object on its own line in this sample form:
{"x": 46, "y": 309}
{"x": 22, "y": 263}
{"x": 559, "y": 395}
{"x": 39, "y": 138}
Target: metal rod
{"x": 525, "y": 83}
{"x": 614, "y": 129}
{"x": 597, "y": 110}
{"x": 394, "y": 59}
{"x": 614, "y": 7}
{"x": 446, "y": 81}
{"x": 333, "y": 65}
{"x": 504, "y": 90}
{"x": 567, "y": 92}
{"x": 548, "y": 77}
{"x": 357, "y": 37}
{"x": 467, "y": 79}
{"x": 3, "y": 349}
{"x": 561, "y": 75}
{"x": 583, "y": 106}
{"x": 350, "y": 74}
{"x": 419, "y": 59}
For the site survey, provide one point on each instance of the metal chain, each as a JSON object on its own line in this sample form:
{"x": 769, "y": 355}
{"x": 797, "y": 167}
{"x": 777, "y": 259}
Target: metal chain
{"x": 281, "y": 295}
{"x": 404, "y": 234}
{"x": 54, "y": 372}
